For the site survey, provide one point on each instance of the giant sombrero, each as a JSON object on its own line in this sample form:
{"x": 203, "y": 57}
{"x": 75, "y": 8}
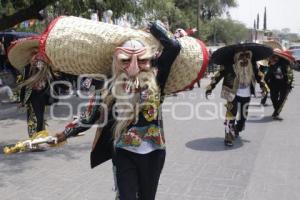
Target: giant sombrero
{"x": 286, "y": 55}
{"x": 21, "y": 51}
{"x": 274, "y": 45}
{"x": 80, "y": 46}
{"x": 225, "y": 55}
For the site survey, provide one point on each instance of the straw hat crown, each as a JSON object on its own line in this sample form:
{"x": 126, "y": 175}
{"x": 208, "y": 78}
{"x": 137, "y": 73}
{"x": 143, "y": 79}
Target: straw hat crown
{"x": 80, "y": 46}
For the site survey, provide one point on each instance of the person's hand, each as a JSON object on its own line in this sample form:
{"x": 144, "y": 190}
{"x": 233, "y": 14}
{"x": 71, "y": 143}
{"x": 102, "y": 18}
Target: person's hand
{"x": 207, "y": 93}
{"x": 264, "y": 87}
{"x": 60, "y": 137}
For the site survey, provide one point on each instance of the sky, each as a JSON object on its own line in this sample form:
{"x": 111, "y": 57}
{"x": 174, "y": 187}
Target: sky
{"x": 280, "y": 13}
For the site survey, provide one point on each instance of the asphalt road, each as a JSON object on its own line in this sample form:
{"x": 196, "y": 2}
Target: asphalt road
{"x": 263, "y": 164}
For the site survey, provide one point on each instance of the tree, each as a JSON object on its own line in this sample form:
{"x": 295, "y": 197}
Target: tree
{"x": 265, "y": 19}
{"x": 25, "y": 10}
{"x": 180, "y": 13}
{"x": 208, "y": 8}
{"x": 228, "y": 31}
{"x": 214, "y": 8}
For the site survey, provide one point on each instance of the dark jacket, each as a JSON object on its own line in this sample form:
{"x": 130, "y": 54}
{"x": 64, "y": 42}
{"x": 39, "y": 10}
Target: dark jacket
{"x": 103, "y": 148}
{"x": 230, "y": 83}
{"x": 287, "y": 73}
{"x": 103, "y": 144}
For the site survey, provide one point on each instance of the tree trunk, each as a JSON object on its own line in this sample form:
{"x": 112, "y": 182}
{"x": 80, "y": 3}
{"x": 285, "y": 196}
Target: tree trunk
{"x": 32, "y": 12}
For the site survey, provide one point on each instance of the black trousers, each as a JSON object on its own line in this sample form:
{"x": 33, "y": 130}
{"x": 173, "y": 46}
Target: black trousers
{"x": 35, "y": 112}
{"x": 238, "y": 107}
{"x": 138, "y": 174}
{"x": 278, "y": 97}
{"x": 264, "y": 99}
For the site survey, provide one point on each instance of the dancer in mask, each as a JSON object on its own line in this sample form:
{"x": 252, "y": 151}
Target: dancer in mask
{"x": 240, "y": 73}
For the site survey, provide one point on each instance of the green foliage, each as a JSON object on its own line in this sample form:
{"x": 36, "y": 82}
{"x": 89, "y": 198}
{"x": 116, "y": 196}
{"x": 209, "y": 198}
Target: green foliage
{"x": 226, "y": 31}
{"x": 180, "y": 13}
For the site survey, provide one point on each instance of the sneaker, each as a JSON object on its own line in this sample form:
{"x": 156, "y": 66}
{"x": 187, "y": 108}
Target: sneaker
{"x": 274, "y": 114}
{"x": 277, "y": 118}
{"x": 237, "y": 129}
{"x": 236, "y": 133}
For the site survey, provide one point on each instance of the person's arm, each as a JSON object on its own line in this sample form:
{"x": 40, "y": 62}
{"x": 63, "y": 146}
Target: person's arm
{"x": 290, "y": 77}
{"x": 260, "y": 80}
{"x": 216, "y": 79}
{"x": 171, "y": 48}
{"x": 86, "y": 119}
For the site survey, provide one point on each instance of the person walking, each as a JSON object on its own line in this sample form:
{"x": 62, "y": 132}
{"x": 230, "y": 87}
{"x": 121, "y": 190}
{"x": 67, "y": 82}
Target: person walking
{"x": 240, "y": 73}
{"x": 279, "y": 79}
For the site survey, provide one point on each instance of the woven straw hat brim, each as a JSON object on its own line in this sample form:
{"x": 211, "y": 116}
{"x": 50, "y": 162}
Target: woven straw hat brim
{"x": 21, "y": 51}
{"x": 273, "y": 44}
{"x": 263, "y": 62}
{"x": 284, "y": 55}
{"x": 225, "y": 55}
{"x": 189, "y": 66}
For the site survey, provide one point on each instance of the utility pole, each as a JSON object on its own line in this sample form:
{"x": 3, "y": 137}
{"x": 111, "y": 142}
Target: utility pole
{"x": 265, "y": 19}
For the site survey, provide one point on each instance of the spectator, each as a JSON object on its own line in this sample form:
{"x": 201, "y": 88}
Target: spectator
{"x": 4, "y": 89}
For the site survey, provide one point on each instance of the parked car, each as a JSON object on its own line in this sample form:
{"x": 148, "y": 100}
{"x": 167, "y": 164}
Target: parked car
{"x": 296, "y": 54}
{"x": 294, "y": 47}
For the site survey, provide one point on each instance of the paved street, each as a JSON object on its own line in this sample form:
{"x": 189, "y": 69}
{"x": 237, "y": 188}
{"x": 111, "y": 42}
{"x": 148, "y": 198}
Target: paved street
{"x": 264, "y": 164}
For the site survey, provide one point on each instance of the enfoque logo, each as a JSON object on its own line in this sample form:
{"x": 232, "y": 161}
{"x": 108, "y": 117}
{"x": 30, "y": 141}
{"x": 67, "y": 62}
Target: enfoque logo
{"x": 184, "y": 107}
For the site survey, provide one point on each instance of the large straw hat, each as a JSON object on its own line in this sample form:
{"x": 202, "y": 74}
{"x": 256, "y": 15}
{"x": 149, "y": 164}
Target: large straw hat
{"x": 226, "y": 54}
{"x": 77, "y": 46}
{"x": 273, "y": 44}
{"x": 21, "y": 51}
{"x": 80, "y": 46}
{"x": 189, "y": 66}
{"x": 284, "y": 55}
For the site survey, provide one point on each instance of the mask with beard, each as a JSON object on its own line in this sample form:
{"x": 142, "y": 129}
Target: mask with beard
{"x": 243, "y": 68}
{"x": 134, "y": 87}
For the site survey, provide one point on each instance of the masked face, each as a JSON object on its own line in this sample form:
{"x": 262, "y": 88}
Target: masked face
{"x": 132, "y": 58}
{"x": 243, "y": 58}
{"x": 273, "y": 60}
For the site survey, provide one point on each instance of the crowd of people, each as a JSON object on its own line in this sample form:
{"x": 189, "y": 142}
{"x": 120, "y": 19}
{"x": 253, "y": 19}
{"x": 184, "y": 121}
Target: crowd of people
{"x": 134, "y": 140}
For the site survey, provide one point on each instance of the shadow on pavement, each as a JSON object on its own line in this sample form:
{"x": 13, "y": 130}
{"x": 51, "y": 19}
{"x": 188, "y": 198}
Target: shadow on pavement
{"x": 67, "y": 108}
{"x": 12, "y": 111}
{"x": 265, "y": 119}
{"x": 19, "y": 162}
{"x": 213, "y": 144}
